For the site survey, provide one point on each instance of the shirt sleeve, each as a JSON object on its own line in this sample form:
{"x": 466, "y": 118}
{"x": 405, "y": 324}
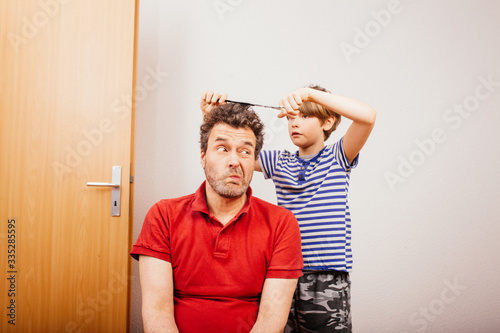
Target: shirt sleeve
{"x": 339, "y": 153}
{"x": 154, "y": 239}
{"x": 268, "y": 160}
{"x": 286, "y": 261}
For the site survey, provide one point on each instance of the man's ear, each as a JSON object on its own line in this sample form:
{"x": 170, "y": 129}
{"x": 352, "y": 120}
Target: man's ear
{"x": 202, "y": 154}
{"x": 328, "y": 123}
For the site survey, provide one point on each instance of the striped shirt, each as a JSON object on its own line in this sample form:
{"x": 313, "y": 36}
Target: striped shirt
{"x": 316, "y": 191}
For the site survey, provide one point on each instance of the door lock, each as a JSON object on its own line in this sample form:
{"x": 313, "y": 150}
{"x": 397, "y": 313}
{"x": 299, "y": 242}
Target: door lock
{"x": 116, "y": 181}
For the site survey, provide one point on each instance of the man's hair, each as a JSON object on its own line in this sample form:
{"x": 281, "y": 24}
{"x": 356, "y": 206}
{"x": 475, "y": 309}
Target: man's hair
{"x": 235, "y": 115}
{"x": 322, "y": 113}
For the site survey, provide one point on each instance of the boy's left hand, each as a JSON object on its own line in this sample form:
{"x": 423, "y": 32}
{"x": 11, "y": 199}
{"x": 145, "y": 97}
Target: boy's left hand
{"x": 290, "y": 103}
{"x": 210, "y": 100}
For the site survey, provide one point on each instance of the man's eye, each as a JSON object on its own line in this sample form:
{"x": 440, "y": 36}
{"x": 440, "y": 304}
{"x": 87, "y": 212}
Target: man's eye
{"x": 221, "y": 149}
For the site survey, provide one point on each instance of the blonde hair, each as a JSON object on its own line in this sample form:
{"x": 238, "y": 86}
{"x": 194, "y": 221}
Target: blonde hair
{"x": 320, "y": 112}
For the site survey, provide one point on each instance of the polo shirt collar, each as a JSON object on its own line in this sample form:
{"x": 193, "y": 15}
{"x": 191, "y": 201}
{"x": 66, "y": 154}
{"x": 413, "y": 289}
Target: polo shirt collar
{"x": 200, "y": 201}
{"x": 314, "y": 159}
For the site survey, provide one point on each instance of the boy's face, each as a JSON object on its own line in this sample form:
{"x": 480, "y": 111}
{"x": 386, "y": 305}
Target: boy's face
{"x": 306, "y": 131}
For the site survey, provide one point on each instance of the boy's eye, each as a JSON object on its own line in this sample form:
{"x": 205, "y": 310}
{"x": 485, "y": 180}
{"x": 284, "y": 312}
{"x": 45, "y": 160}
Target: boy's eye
{"x": 305, "y": 116}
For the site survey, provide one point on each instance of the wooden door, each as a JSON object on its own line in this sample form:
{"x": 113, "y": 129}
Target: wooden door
{"x": 66, "y": 87}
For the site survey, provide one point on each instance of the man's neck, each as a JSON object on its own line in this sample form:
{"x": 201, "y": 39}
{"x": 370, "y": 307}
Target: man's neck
{"x": 224, "y": 209}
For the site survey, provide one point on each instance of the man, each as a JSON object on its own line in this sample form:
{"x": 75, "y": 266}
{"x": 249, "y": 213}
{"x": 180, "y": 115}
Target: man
{"x": 220, "y": 260}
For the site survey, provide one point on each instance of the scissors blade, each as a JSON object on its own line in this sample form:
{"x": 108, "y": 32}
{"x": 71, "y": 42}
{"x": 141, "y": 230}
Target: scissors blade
{"x": 253, "y": 104}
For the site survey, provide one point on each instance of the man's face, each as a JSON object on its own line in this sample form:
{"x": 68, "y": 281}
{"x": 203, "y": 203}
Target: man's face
{"x": 229, "y": 160}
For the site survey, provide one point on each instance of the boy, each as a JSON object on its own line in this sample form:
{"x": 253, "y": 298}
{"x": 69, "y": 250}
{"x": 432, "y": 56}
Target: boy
{"x": 313, "y": 183}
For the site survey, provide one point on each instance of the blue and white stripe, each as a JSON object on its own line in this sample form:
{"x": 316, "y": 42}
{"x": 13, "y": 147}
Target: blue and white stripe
{"x": 316, "y": 192}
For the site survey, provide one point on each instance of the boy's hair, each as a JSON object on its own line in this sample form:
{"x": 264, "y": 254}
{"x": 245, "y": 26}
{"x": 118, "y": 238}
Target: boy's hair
{"x": 322, "y": 113}
{"x": 235, "y": 115}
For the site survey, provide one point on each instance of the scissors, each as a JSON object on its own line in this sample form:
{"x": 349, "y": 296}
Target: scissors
{"x": 259, "y": 105}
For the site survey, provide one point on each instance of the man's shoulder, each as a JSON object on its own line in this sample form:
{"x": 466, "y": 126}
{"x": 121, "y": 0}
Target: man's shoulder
{"x": 175, "y": 202}
{"x": 264, "y": 206}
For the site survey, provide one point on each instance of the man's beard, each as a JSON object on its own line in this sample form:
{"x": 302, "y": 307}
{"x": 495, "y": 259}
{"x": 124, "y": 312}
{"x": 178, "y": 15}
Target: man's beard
{"x": 227, "y": 190}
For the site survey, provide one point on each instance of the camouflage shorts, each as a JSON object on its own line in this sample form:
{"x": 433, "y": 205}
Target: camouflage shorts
{"x": 322, "y": 303}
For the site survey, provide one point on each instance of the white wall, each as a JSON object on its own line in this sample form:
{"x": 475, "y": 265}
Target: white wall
{"x": 427, "y": 235}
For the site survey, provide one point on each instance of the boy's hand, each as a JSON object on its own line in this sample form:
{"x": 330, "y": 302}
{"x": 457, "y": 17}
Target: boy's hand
{"x": 292, "y": 102}
{"x": 210, "y": 100}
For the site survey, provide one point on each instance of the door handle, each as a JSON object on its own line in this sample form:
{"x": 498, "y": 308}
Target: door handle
{"x": 116, "y": 182}
{"x": 102, "y": 184}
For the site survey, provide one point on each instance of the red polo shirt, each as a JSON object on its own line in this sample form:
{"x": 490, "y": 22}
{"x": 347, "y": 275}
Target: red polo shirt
{"x": 218, "y": 270}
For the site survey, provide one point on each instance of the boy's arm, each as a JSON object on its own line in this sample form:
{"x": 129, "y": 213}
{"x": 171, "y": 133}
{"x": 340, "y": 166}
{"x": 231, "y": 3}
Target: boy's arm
{"x": 157, "y": 289}
{"x": 274, "y": 305}
{"x": 362, "y": 115}
{"x": 256, "y": 166}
